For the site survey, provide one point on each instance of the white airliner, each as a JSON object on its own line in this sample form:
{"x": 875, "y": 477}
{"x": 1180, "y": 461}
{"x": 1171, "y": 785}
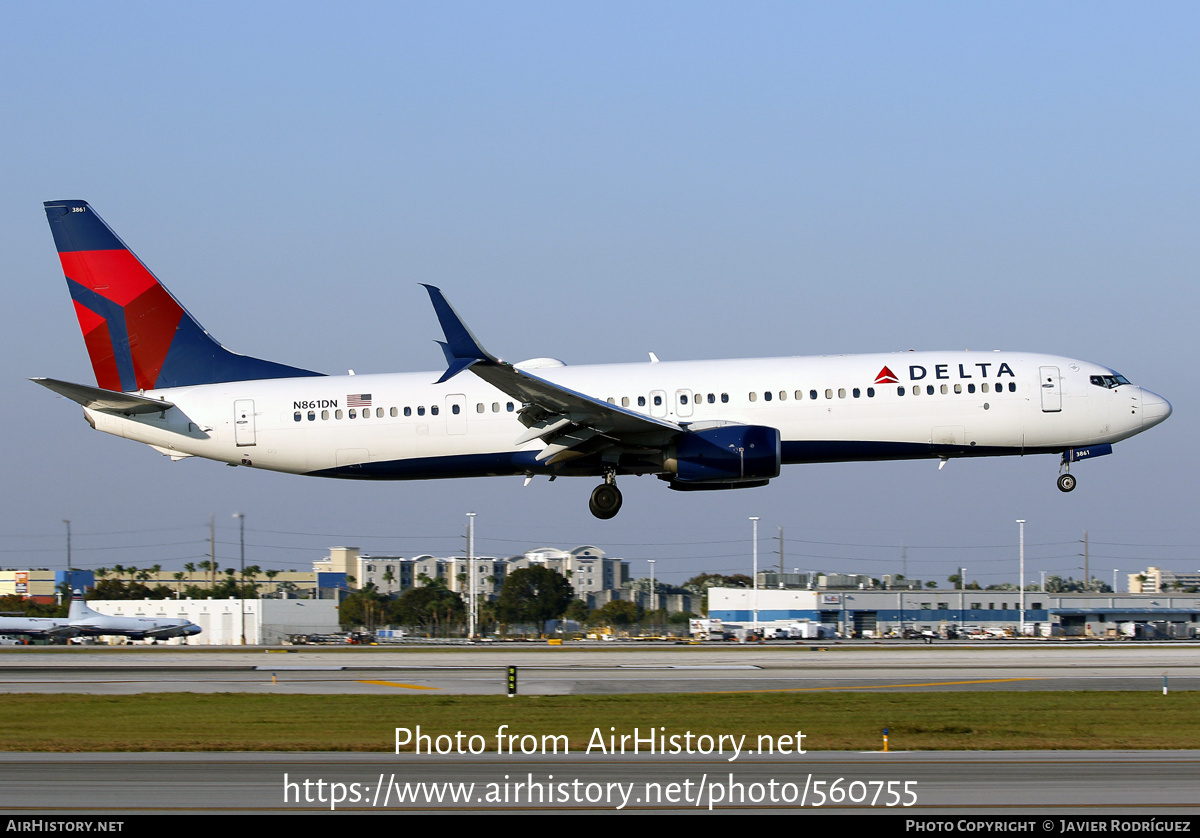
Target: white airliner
{"x": 82, "y": 620}
{"x": 698, "y": 425}
{"x": 35, "y": 626}
{"x": 90, "y": 623}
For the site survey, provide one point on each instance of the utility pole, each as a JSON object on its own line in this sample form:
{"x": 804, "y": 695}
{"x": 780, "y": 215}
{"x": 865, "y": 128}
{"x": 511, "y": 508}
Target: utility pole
{"x": 781, "y": 557}
{"x": 70, "y": 587}
{"x": 1087, "y": 578}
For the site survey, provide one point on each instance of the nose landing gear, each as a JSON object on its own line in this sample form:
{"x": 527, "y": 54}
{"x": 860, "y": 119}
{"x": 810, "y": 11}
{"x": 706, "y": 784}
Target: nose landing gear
{"x": 606, "y": 498}
{"x": 1066, "y": 480}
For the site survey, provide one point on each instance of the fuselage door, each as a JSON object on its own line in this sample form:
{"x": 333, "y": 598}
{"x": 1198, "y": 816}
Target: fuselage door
{"x": 1051, "y": 386}
{"x": 683, "y": 403}
{"x": 456, "y": 414}
{"x": 243, "y": 422}
{"x": 658, "y": 403}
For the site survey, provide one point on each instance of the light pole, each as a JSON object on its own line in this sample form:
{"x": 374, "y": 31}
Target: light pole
{"x": 754, "y": 519}
{"x": 1021, "y": 586}
{"x": 471, "y": 575}
{"x": 653, "y": 605}
{"x": 241, "y": 588}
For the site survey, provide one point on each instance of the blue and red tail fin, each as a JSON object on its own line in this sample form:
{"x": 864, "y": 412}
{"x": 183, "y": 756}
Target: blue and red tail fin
{"x": 138, "y": 336}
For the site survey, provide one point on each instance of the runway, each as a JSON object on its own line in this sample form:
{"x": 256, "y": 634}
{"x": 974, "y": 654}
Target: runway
{"x": 937, "y": 784}
{"x": 600, "y": 670}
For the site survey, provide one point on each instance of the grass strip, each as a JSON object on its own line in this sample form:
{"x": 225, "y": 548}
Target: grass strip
{"x": 830, "y": 721}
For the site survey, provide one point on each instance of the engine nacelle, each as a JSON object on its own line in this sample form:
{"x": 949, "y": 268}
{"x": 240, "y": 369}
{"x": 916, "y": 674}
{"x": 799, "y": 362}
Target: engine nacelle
{"x": 730, "y": 454}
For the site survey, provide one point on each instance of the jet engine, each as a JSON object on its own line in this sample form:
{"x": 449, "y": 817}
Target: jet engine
{"x": 723, "y": 457}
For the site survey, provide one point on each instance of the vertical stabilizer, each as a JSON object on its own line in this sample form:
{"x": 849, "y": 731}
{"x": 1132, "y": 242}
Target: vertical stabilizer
{"x": 79, "y": 608}
{"x": 138, "y": 336}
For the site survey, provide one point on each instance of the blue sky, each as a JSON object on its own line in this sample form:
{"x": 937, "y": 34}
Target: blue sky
{"x": 591, "y": 182}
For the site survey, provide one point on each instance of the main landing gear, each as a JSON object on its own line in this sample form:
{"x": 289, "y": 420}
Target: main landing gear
{"x": 1066, "y": 480}
{"x": 606, "y": 498}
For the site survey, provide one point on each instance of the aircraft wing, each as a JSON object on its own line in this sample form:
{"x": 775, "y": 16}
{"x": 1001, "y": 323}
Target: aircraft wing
{"x": 109, "y": 401}
{"x": 171, "y": 631}
{"x": 571, "y": 424}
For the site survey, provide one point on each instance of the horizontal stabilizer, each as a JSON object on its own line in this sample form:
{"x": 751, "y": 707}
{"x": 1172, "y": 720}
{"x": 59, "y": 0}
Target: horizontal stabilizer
{"x": 95, "y": 398}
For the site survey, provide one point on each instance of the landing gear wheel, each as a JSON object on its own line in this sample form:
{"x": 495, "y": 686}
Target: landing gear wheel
{"x": 605, "y": 501}
{"x": 1066, "y": 482}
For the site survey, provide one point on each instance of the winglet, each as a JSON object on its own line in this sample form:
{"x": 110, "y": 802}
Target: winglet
{"x": 461, "y": 348}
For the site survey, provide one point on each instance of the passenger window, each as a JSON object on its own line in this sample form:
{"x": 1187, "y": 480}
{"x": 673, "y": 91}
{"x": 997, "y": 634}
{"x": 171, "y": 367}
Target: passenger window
{"x": 641, "y": 401}
{"x": 658, "y": 401}
{"x": 945, "y": 389}
{"x": 624, "y": 401}
{"x": 916, "y": 389}
{"x": 312, "y": 416}
{"x": 324, "y": 415}
{"x": 611, "y": 400}
{"x": 712, "y": 398}
{"x": 970, "y": 388}
{"x": 958, "y": 388}
{"x": 870, "y": 392}
{"x": 900, "y": 390}
{"x": 1012, "y": 386}
{"x": 829, "y": 394}
{"x": 799, "y": 395}
{"x": 983, "y": 387}
{"x": 420, "y": 411}
{"x": 841, "y": 392}
{"x": 379, "y": 413}
{"x": 767, "y": 396}
{"x": 392, "y": 413}
{"x": 783, "y": 395}
{"x": 479, "y": 407}
{"x": 433, "y": 410}
{"x": 724, "y": 398}
{"x": 510, "y": 407}
{"x": 857, "y": 392}
{"x": 454, "y": 409}
{"x": 407, "y": 412}
{"x": 683, "y": 398}
{"x": 297, "y": 416}
{"x": 353, "y": 414}
{"x": 337, "y": 414}
{"x": 754, "y": 397}
{"x": 929, "y": 389}
{"x": 495, "y": 407}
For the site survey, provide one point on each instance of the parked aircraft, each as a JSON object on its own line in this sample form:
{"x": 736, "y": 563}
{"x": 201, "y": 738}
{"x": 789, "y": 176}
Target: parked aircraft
{"x": 85, "y": 621}
{"x": 698, "y": 425}
{"x": 35, "y": 626}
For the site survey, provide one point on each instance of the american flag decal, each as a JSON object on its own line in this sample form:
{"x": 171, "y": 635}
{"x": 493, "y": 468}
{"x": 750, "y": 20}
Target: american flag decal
{"x": 359, "y": 400}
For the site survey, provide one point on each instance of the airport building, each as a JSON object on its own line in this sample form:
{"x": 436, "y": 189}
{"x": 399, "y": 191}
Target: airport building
{"x": 876, "y": 613}
{"x": 224, "y": 622}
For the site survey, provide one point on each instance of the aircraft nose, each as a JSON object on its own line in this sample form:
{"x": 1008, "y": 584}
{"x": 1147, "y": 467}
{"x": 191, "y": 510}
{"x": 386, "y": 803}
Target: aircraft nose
{"x": 1155, "y": 409}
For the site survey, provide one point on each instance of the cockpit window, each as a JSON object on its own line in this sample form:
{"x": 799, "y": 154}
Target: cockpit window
{"x": 1109, "y": 382}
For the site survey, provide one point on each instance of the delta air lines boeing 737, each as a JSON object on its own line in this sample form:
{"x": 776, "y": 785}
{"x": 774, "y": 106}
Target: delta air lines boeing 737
{"x": 698, "y": 425}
